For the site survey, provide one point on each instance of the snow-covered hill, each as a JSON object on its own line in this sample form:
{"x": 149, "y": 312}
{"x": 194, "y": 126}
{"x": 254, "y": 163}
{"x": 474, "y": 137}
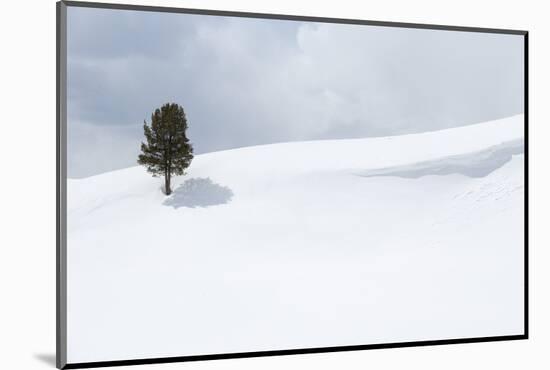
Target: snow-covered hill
{"x": 303, "y": 244}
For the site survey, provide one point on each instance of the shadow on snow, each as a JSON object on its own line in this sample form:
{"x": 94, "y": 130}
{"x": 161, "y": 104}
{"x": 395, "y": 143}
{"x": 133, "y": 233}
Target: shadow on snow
{"x": 477, "y": 164}
{"x": 199, "y": 192}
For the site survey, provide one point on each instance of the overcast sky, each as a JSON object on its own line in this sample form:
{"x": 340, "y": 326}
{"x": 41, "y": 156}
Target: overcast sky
{"x": 247, "y": 81}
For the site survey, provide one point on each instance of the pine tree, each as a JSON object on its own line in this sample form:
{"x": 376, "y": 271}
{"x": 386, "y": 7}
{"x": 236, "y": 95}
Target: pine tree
{"x": 167, "y": 151}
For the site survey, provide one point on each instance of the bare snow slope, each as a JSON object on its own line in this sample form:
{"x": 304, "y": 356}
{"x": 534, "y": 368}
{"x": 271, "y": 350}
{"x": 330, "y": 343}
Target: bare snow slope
{"x": 305, "y": 244}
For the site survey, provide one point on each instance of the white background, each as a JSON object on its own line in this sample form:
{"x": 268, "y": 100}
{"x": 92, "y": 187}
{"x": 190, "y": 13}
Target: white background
{"x": 27, "y": 186}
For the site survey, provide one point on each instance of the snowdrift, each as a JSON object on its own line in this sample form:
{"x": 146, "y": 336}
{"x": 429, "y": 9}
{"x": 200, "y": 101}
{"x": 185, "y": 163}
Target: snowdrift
{"x": 302, "y": 244}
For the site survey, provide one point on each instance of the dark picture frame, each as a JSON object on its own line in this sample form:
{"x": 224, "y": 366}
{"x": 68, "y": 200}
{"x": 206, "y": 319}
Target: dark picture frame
{"x": 61, "y": 214}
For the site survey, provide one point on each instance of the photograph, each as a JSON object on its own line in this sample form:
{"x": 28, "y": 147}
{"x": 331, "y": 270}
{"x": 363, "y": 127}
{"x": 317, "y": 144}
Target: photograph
{"x": 240, "y": 184}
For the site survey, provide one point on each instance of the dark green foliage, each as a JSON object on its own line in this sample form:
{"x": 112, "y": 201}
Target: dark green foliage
{"x": 167, "y": 150}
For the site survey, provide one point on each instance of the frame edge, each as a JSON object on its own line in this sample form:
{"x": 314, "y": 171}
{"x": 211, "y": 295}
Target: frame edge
{"x": 526, "y": 183}
{"x": 61, "y": 170}
{"x": 61, "y": 167}
{"x": 288, "y": 17}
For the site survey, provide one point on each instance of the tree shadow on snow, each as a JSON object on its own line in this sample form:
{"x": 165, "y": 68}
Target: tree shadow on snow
{"x": 199, "y": 192}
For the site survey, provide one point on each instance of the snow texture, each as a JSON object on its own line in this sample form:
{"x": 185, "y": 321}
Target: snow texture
{"x": 302, "y": 244}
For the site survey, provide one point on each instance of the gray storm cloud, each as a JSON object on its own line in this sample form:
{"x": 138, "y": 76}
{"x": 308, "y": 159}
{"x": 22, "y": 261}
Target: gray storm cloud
{"x": 249, "y": 81}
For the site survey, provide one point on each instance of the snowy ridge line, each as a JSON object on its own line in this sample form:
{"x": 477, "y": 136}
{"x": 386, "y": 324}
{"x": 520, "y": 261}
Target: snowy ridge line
{"x": 366, "y": 153}
{"x": 353, "y": 154}
{"x": 475, "y": 164}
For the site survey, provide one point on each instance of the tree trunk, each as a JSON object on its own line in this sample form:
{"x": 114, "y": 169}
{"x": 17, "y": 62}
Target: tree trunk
{"x": 167, "y": 189}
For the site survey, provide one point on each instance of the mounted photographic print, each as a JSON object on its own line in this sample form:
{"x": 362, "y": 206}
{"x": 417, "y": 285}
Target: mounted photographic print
{"x": 238, "y": 184}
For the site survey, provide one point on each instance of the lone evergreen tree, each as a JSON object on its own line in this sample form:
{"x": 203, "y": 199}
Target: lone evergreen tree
{"x": 167, "y": 151}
